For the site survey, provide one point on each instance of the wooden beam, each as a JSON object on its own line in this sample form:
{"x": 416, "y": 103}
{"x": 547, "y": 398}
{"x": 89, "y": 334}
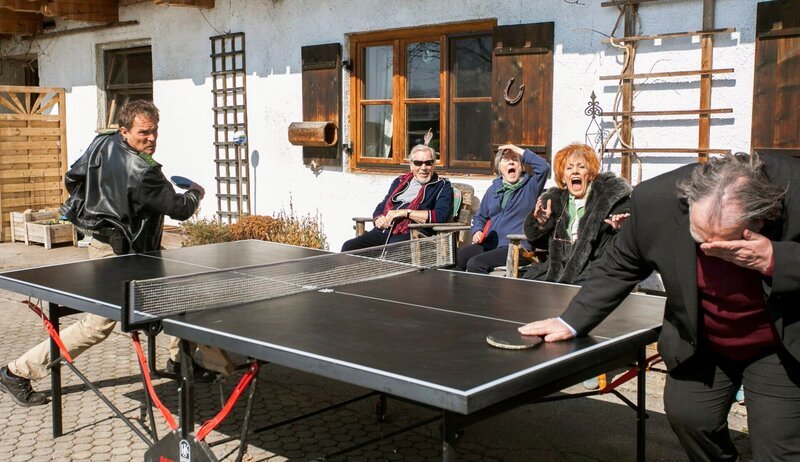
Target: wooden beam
{"x": 668, "y": 74}
{"x": 15, "y": 23}
{"x": 670, "y": 150}
{"x": 193, "y": 3}
{"x": 668, "y": 113}
{"x": 627, "y": 2}
{"x": 640, "y": 38}
{"x": 79, "y": 30}
{"x": 626, "y": 128}
{"x": 21, "y": 6}
{"x": 706, "y": 63}
{"x": 102, "y": 11}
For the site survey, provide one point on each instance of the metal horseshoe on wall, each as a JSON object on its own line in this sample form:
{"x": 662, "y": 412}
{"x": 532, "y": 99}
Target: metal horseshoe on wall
{"x": 512, "y": 101}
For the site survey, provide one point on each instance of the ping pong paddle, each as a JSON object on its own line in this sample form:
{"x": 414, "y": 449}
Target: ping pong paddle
{"x": 511, "y": 339}
{"x": 181, "y": 182}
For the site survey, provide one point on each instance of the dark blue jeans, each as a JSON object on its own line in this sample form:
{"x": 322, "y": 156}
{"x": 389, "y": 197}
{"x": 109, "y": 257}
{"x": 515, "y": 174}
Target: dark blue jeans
{"x": 373, "y": 238}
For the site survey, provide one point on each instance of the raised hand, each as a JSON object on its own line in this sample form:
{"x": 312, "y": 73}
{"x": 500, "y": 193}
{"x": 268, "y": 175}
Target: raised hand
{"x": 616, "y": 220}
{"x": 540, "y": 213}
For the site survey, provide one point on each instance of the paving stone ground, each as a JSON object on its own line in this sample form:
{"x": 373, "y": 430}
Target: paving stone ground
{"x": 595, "y": 429}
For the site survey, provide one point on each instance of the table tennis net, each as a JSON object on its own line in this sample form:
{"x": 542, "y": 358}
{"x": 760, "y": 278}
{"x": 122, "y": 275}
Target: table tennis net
{"x": 152, "y": 299}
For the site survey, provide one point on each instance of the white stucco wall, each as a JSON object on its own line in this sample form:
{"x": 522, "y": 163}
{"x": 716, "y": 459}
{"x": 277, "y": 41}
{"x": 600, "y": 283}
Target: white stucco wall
{"x": 275, "y": 31}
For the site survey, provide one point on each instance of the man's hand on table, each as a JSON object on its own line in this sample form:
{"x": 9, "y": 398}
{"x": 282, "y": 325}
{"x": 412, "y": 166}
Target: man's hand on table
{"x": 552, "y": 330}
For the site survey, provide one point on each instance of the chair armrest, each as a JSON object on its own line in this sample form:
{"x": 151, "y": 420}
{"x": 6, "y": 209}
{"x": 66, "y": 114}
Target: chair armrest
{"x": 440, "y": 226}
{"x": 360, "y": 225}
{"x": 512, "y": 257}
{"x": 516, "y": 238}
{"x": 450, "y": 228}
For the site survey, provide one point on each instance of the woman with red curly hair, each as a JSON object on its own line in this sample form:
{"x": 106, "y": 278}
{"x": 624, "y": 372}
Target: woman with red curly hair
{"x": 576, "y": 219}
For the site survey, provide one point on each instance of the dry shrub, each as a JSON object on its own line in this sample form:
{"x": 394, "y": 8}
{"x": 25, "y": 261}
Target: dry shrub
{"x": 204, "y": 232}
{"x": 284, "y": 228}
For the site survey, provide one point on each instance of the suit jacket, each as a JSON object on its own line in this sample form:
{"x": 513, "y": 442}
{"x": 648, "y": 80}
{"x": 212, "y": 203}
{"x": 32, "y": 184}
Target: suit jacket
{"x": 656, "y": 237}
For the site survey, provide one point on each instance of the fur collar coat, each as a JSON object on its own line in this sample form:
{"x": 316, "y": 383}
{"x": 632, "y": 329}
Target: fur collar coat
{"x": 567, "y": 261}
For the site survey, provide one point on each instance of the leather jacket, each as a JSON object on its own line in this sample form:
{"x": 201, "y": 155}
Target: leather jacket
{"x": 121, "y": 196}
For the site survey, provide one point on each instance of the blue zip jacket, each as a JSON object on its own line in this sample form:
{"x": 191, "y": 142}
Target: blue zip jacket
{"x": 511, "y": 220}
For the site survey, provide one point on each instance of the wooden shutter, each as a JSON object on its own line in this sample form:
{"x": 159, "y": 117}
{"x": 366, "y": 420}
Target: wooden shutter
{"x": 523, "y": 53}
{"x": 776, "y": 85}
{"x": 322, "y": 97}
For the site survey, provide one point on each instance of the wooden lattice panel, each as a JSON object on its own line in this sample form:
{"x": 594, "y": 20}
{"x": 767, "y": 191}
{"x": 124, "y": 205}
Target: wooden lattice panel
{"x": 33, "y": 154}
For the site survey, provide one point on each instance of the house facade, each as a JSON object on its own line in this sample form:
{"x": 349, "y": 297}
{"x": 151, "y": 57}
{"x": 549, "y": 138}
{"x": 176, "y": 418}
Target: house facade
{"x": 392, "y": 72}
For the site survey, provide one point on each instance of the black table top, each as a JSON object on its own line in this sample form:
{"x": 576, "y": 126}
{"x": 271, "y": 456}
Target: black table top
{"x": 419, "y": 336}
{"x": 97, "y": 286}
{"x": 422, "y": 335}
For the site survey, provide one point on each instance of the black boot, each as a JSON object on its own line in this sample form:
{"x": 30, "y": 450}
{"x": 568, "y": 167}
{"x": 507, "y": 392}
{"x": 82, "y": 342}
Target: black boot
{"x": 20, "y": 389}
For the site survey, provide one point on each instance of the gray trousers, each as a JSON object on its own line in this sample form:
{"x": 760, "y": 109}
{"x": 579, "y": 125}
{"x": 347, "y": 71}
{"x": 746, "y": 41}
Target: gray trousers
{"x": 699, "y": 394}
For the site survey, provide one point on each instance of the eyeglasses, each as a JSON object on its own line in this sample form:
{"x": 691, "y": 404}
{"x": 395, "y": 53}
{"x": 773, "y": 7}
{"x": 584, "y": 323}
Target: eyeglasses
{"x": 557, "y": 227}
{"x": 420, "y": 163}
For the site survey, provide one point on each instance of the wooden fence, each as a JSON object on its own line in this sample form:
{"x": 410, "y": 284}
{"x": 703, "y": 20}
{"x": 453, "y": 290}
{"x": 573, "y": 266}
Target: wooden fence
{"x": 33, "y": 150}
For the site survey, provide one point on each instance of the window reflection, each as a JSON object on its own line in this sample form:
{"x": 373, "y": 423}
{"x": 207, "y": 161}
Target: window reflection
{"x": 424, "y": 63}
{"x": 378, "y": 63}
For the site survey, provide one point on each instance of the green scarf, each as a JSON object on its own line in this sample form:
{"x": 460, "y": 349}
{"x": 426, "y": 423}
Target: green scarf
{"x": 148, "y": 158}
{"x": 576, "y": 213}
{"x": 507, "y": 189}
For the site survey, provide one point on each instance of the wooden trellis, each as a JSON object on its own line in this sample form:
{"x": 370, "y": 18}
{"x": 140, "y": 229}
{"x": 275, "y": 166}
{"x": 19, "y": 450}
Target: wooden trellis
{"x": 33, "y": 150}
{"x": 628, "y": 76}
{"x": 228, "y": 77}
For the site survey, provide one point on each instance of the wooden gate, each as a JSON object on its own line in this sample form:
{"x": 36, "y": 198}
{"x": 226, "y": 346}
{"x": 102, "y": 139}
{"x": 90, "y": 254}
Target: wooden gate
{"x": 33, "y": 150}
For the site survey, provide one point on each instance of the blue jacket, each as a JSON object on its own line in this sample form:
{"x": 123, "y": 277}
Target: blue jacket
{"x": 436, "y": 196}
{"x": 511, "y": 219}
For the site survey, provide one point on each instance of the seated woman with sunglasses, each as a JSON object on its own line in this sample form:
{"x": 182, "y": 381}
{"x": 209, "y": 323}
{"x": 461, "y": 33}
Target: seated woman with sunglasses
{"x": 418, "y": 196}
{"x": 575, "y": 220}
{"x": 503, "y": 208}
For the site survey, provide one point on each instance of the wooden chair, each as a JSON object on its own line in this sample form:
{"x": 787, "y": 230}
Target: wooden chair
{"x": 465, "y": 204}
{"x": 519, "y": 257}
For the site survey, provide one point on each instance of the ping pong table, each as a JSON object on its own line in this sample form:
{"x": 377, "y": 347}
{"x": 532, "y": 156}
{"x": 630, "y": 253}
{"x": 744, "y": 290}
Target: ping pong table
{"x": 418, "y": 336}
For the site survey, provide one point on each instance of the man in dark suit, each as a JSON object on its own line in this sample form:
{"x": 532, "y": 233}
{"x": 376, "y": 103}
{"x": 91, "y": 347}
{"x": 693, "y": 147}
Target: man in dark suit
{"x": 727, "y": 246}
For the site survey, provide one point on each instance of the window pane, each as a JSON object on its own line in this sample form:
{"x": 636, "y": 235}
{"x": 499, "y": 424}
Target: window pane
{"x": 377, "y": 131}
{"x": 125, "y": 67}
{"x": 423, "y": 69}
{"x": 473, "y": 66}
{"x": 419, "y": 119}
{"x": 473, "y": 132}
{"x": 378, "y": 72}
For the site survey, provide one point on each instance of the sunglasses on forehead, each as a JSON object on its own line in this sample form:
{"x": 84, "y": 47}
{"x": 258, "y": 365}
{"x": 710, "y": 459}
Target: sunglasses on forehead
{"x": 420, "y": 163}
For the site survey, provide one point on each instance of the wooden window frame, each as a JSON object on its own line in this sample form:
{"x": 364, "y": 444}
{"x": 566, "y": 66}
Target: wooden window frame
{"x": 398, "y": 39}
{"x": 112, "y": 90}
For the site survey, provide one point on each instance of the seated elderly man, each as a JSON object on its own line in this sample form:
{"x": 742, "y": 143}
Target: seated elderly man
{"x": 418, "y": 196}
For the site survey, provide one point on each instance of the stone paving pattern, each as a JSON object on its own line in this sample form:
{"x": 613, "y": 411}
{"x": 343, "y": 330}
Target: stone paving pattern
{"x": 596, "y": 429}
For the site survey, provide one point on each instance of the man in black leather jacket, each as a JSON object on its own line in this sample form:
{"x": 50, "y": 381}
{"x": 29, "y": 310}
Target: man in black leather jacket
{"x": 119, "y": 195}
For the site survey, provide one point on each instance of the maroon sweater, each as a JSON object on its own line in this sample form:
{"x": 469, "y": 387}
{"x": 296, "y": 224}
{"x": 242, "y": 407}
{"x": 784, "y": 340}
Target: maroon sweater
{"x": 735, "y": 321}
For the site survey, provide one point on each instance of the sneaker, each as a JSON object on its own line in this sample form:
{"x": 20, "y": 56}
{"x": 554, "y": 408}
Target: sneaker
{"x": 20, "y": 389}
{"x": 201, "y": 374}
{"x": 591, "y": 384}
{"x": 740, "y": 395}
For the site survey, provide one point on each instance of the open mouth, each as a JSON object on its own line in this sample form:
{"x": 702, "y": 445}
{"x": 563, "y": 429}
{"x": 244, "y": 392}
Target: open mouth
{"x": 576, "y": 183}
{"x": 512, "y": 170}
